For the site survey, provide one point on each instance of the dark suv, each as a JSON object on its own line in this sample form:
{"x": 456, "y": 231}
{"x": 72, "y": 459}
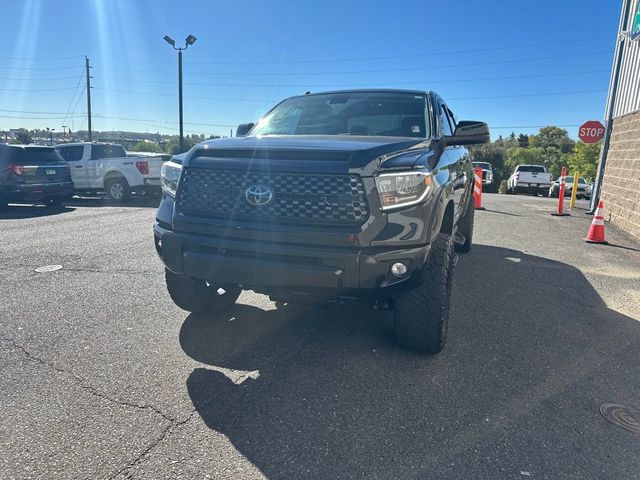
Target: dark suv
{"x": 349, "y": 195}
{"x": 33, "y": 174}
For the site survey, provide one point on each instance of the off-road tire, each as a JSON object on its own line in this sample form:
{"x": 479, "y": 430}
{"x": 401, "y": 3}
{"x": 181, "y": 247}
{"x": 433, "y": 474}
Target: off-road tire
{"x": 117, "y": 189}
{"x": 465, "y": 227}
{"x": 422, "y": 314}
{"x": 198, "y": 296}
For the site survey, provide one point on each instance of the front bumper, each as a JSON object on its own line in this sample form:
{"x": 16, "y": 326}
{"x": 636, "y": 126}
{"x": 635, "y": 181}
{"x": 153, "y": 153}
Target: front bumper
{"x": 263, "y": 266}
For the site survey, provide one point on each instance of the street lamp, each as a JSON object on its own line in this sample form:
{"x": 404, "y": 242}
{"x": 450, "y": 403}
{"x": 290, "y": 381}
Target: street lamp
{"x": 190, "y": 40}
{"x": 51, "y": 130}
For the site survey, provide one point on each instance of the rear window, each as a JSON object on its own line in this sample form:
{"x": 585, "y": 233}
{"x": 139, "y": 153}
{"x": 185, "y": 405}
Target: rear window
{"x": 531, "y": 168}
{"x": 107, "y": 151}
{"x": 30, "y": 155}
{"x": 483, "y": 165}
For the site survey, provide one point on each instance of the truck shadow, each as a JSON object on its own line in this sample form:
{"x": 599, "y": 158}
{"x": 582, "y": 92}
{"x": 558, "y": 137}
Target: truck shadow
{"x": 532, "y": 354}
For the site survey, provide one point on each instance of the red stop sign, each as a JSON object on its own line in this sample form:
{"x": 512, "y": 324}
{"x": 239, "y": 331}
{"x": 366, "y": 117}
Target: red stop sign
{"x": 591, "y": 131}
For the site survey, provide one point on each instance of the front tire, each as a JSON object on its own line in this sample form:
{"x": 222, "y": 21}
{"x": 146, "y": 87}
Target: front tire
{"x": 199, "y": 296}
{"x": 118, "y": 189}
{"x": 422, "y": 314}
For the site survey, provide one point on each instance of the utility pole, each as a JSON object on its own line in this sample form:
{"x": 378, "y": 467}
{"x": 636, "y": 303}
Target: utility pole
{"x": 180, "y": 98}
{"x": 88, "y": 69}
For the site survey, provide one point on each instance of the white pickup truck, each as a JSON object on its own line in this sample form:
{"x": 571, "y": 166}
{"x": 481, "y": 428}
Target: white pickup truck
{"x": 531, "y": 179}
{"x": 105, "y": 167}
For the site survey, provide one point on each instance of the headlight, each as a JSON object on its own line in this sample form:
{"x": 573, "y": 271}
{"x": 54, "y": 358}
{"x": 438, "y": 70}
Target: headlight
{"x": 403, "y": 189}
{"x": 169, "y": 177}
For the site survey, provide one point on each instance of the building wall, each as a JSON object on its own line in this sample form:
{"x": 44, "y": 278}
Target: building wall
{"x": 621, "y": 181}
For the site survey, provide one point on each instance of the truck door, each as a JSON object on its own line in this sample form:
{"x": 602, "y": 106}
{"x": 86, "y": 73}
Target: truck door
{"x": 456, "y": 158}
{"x": 74, "y": 156}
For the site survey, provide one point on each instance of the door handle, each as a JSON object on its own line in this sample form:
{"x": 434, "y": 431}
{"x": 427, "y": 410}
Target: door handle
{"x": 78, "y": 166}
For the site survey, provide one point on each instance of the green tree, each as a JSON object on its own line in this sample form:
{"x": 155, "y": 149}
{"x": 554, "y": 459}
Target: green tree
{"x": 173, "y": 144}
{"x": 24, "y": 137}
{"x": 584, "y": 159}
{"x": 146, "y": 147}
{"x": 523, "y": 140}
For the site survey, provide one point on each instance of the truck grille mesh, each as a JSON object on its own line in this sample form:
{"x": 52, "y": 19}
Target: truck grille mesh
{"x": 297, "y": 198}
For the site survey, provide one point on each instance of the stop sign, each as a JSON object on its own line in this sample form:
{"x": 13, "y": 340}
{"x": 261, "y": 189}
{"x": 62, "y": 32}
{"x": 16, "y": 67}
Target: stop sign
{"x": 591, "y": 131}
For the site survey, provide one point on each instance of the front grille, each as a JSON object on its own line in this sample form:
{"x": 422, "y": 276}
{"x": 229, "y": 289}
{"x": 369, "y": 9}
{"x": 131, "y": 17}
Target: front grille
{"x": 297, "y": 198}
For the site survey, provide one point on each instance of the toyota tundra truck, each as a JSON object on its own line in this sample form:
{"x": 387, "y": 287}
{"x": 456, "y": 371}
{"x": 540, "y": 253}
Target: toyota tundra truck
{"x": 349, "y": 195}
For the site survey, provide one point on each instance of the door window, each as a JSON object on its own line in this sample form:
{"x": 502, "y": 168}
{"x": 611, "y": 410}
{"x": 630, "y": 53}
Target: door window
{"x": 71, "y": 154}
{"x": 444, "y": 120}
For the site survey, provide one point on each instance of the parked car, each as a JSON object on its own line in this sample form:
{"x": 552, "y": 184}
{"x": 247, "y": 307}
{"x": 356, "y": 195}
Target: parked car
{"x": 33, "y": 174}
{"x": 487, "y": 175}
{"x": 584, "y": 189}
{"x": 529, "y": 178}
{"x": 349, "y": 195}
{"x": 152, "y": 184}
{"x": 105, "y": 167}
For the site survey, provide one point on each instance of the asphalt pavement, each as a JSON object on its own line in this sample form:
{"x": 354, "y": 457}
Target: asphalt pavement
{"x": 103, "y": 377}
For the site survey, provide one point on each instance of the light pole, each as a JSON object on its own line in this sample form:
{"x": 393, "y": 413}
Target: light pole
{"x": 64, "y": 132}
{"x": 51, "y": 130}
{"x": 190, "y": 40}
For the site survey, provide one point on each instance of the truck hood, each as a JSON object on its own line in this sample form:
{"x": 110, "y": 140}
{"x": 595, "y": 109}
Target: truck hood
{"x": 331, "y": 154}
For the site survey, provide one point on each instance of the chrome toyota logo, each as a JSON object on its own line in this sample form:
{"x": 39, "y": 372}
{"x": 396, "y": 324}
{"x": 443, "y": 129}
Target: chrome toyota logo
{"x": 258, "y": 195}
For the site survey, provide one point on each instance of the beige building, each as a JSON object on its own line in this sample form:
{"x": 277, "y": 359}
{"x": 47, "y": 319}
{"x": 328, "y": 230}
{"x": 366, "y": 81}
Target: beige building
{"x": 621, "y": 180}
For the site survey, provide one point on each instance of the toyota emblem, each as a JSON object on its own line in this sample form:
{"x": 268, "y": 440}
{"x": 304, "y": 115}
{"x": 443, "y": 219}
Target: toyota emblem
{"x": 258, "y": 195}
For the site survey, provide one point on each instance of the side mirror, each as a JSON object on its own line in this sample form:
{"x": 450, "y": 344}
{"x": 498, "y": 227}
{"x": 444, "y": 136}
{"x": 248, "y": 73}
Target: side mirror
{"x": 243, "y": 129}
{"x": 469, "y": 132}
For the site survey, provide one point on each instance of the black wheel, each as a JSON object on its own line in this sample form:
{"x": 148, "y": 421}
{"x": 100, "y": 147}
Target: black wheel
{"x": 199, "y": 296}
{"x": 422, "y": 315}
{"x": 465, "y": 227}
{"x": 118, "y": 189}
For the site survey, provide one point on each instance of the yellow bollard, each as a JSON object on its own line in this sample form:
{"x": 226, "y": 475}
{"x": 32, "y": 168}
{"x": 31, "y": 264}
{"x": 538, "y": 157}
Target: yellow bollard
{"x": 574, "y": 190}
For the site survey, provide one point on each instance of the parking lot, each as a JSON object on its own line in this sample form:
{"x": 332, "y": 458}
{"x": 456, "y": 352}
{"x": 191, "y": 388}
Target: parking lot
{"x": 103, "y": 377}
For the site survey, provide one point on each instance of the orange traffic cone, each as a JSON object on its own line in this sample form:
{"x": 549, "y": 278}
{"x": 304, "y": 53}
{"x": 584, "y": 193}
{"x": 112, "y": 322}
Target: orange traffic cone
{"x": 596, "y": 231}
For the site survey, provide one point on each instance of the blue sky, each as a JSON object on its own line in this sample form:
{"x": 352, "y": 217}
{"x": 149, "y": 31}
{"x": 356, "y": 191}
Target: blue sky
{"x": 511, "y": 63}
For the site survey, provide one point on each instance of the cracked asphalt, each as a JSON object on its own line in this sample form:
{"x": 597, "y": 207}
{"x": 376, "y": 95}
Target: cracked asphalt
{"x": 102, "y": 377}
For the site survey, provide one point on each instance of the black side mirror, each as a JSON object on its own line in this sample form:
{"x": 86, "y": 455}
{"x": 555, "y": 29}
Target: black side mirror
{"x": 243, "y": 129}
{"x": 469, "y": 132}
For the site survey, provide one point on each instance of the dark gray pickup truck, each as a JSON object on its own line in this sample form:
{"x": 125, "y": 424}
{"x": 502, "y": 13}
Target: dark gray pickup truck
{"x": 350, "y": 195}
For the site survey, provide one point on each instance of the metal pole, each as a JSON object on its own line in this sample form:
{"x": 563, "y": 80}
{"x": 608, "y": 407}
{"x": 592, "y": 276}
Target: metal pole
{"x": 611, "y": 101}
{"x": 87, "y": 67}
{"x": 574, "y": 190}
{"x": 180, "y": 98}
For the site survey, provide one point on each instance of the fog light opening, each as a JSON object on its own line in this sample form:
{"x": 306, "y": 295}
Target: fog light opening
{"x": 399, "y": 269}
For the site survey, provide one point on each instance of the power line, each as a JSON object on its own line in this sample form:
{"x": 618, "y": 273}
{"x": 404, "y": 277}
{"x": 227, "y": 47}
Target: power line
{"x": 272, "y": 100}
{"x": 547, "y": 94}
{"x": 379, "y": 70}
{"x": 37, "y": 79}
{"x": 27, "y": 90}
{"x": 416, "y": 55}
{"x": 161, "y": 121}
{"x": 73, "y": 95}
{"x": 37, "y": 118}
{"x": 42, "y": 59}
{"x": 43, "y": 68}
{"x": 381, "y": 84}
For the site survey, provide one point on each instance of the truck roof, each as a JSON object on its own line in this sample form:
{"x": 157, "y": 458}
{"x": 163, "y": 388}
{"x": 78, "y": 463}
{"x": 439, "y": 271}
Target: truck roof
{"x": 75, "y": 144}
{"x": 367, "y": 90}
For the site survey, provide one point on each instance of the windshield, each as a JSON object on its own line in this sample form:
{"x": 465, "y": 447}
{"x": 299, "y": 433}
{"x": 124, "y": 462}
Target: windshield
{"x": 356, "y": 113}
